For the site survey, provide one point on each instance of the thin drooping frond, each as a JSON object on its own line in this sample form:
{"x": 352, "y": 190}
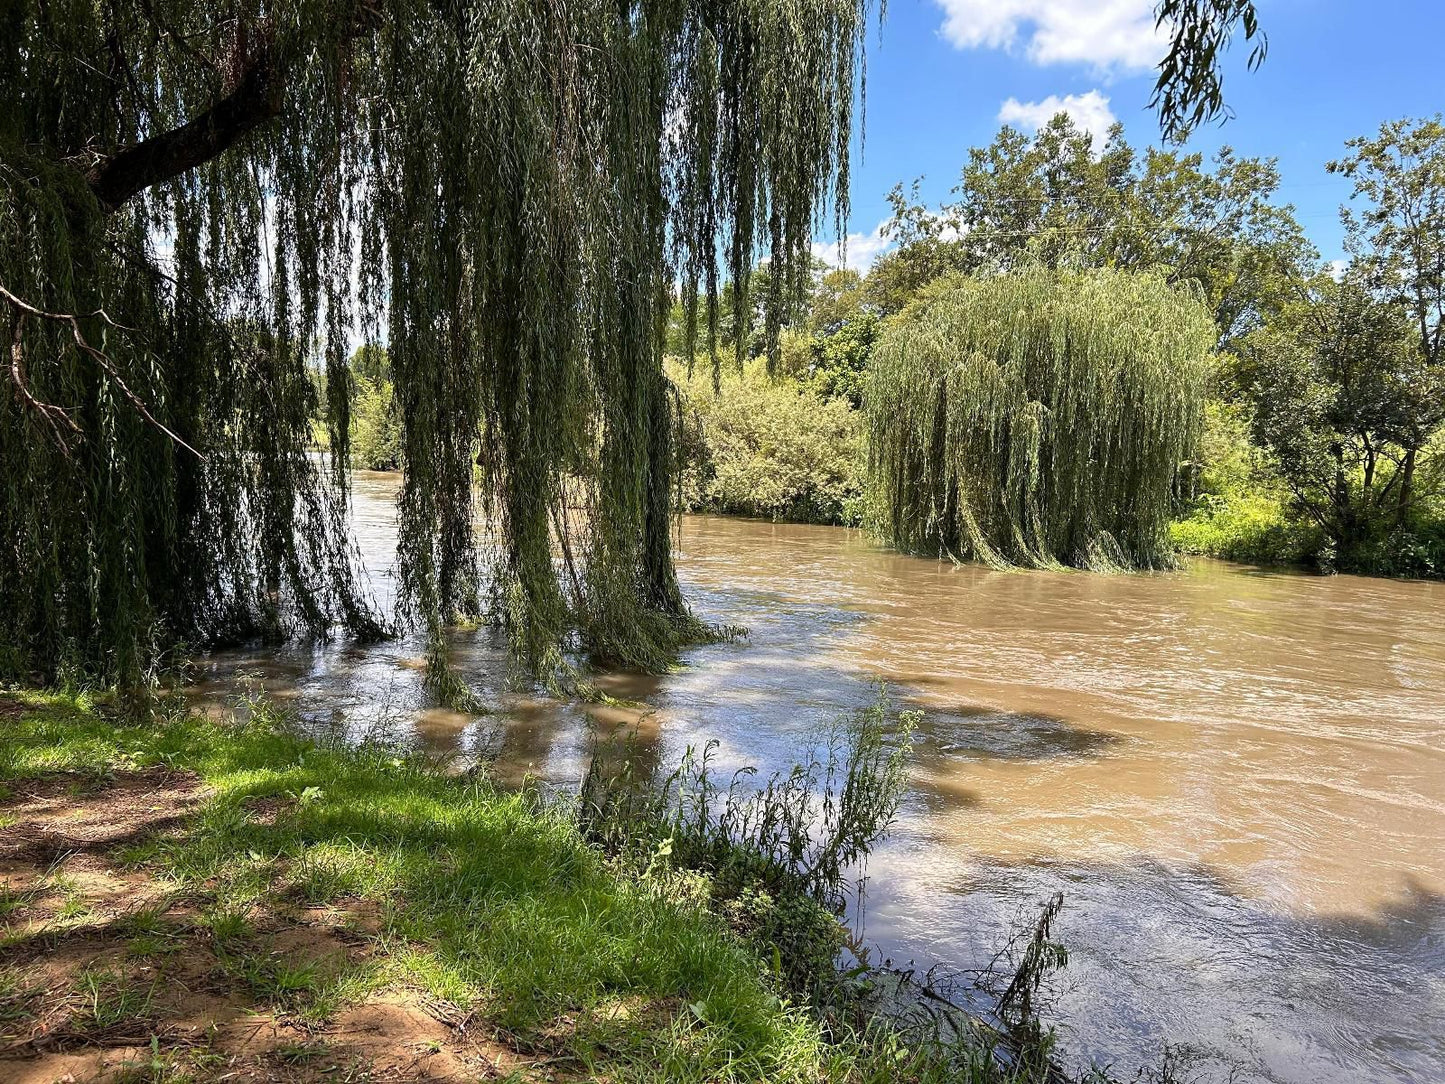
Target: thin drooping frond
{"x": 227, "y": 197}
{"x": 1190, "y": 88}
{"x": 1038, "y": 419}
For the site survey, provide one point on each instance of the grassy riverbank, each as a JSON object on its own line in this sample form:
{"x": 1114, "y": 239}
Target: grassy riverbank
{"x": 192, "y": 899}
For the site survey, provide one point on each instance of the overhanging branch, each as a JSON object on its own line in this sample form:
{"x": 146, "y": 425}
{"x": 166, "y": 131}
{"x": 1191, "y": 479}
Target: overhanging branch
{"x": 23, "y": 310}
{"x": 256, "y": 99}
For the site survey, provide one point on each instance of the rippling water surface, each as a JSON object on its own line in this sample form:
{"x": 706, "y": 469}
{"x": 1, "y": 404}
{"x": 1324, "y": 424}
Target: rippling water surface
{"x": 1237, "y": 779}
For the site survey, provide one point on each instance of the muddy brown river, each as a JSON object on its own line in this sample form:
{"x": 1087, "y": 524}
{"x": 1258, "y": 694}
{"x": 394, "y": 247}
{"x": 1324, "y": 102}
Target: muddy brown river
{"x": 1236, "y": 778}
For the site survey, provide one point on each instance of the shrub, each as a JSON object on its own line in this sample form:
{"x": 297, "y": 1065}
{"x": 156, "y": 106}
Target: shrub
{"x": 1416, "y": 550}
{"x": 1250, "y": 527}
{"x": 770, "y": 448}
{"x": 375, "y": 425}
{"x": 1244, "y": 512}
{"x": 1240, "y": 510}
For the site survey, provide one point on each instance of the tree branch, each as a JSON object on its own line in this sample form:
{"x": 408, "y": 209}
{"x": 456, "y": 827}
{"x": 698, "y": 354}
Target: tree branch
{"x": 51, "y": 414}
{"x": 256, "y": 99}
{"x": 23, "y": 309}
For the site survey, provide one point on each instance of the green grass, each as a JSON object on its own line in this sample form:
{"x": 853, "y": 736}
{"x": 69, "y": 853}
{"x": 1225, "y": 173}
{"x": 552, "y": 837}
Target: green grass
{"x": 14, "y": 901}
{"x": 482, "y": 897}
{"x": 73, "y": 909}
{"x": 228, "y": 923}
{"x": 111, "y": 996}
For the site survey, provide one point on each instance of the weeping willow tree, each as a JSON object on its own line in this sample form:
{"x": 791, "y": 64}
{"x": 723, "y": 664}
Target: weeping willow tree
{"x": 202, "y": 204}
{"x": 1038, "y": 419}
{"x": 199, "y": 203}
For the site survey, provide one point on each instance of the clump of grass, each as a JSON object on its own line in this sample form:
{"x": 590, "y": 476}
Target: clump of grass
{"x": 228, "y": 923}
{"x": 135, "y": 856}
{"x": 148, "y": 933}
{"x": 187, "y": 1065}
{"x": 110, "y": 996}
{"x": 72, "y": 908}
{"x": 146, "y": 921}
{"x": 302, "y": 1052}
{"x": 15, "y": 900}
{"x": 776, "y": 859}
{"x": 282, "y": 982}
{"x": 330, "y": 871}
{"x": 312, "y": 989}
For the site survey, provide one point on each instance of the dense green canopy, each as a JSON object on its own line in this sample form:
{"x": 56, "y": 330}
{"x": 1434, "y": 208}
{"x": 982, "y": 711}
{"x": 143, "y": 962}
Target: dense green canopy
{"x": 1038, "y": 418}
{"x": 197, "y": 202}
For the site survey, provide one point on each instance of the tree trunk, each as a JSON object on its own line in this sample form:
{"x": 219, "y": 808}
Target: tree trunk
{"x": 1407, "y": 488}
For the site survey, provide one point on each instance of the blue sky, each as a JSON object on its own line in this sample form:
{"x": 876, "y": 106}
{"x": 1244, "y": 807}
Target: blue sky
{"x": 944, "y": 72}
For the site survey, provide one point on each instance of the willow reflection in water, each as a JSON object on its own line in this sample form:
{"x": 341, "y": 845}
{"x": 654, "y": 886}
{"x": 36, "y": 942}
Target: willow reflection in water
{"x": 1236, "y": 778}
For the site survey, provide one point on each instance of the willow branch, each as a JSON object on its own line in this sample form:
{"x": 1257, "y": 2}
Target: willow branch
{"x": 49, "y": 412}
{"x": 256, "y": 99}
{"x": 24, "y": 309}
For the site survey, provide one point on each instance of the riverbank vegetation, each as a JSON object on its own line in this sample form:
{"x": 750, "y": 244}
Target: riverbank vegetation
{"x": 201, "y": 206}
{"x": 198, "y": 899}
{"x": 753, "y": 446}
{"x": 1319, "y": 421}
{"x": 1038, "y": 418}
{"x": 374, "y": 418}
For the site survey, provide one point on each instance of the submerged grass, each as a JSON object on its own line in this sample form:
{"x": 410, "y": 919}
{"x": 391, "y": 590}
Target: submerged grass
{"x": 489, "y": 900}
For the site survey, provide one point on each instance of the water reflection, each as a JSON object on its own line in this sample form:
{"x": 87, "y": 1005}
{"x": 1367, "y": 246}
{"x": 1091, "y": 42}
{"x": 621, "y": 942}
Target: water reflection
{"x": 1237, "y": 780}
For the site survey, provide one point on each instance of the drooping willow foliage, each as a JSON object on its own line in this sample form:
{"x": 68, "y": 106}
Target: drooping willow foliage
{"x": 202, "y": 204}
{"x": 1038, "y": 419}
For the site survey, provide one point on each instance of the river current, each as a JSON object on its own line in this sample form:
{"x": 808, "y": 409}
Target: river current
{"x": 1236, "y": 778}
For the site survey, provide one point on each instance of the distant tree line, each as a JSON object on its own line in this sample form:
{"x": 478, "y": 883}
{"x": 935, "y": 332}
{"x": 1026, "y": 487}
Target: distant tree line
{"x": 1326, "y": 396}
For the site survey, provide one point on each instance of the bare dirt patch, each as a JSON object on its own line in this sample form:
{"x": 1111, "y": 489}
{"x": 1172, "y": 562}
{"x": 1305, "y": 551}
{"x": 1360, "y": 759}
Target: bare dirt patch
{"x": 73, "y": 813}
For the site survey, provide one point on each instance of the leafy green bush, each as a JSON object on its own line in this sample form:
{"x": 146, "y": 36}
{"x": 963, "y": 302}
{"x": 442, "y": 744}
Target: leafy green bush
{"x": 375, "y": 425}
{"x": 1250, "y": 527}
{"x": 769, "y": 448}
{"x": 1415, "y": 551}
{"x": 1241, "y": 510}
{"x": 1260, "y": 528}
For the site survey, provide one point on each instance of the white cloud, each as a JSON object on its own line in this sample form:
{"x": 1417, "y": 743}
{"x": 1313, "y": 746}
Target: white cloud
{"x": 1089, "y": 111}
{"x": 863, "y": 248}
{"x": 1110, "y": 35}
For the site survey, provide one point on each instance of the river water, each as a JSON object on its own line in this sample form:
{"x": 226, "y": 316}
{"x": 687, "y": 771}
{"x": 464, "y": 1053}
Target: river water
{"x": 1236, "y": 778}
